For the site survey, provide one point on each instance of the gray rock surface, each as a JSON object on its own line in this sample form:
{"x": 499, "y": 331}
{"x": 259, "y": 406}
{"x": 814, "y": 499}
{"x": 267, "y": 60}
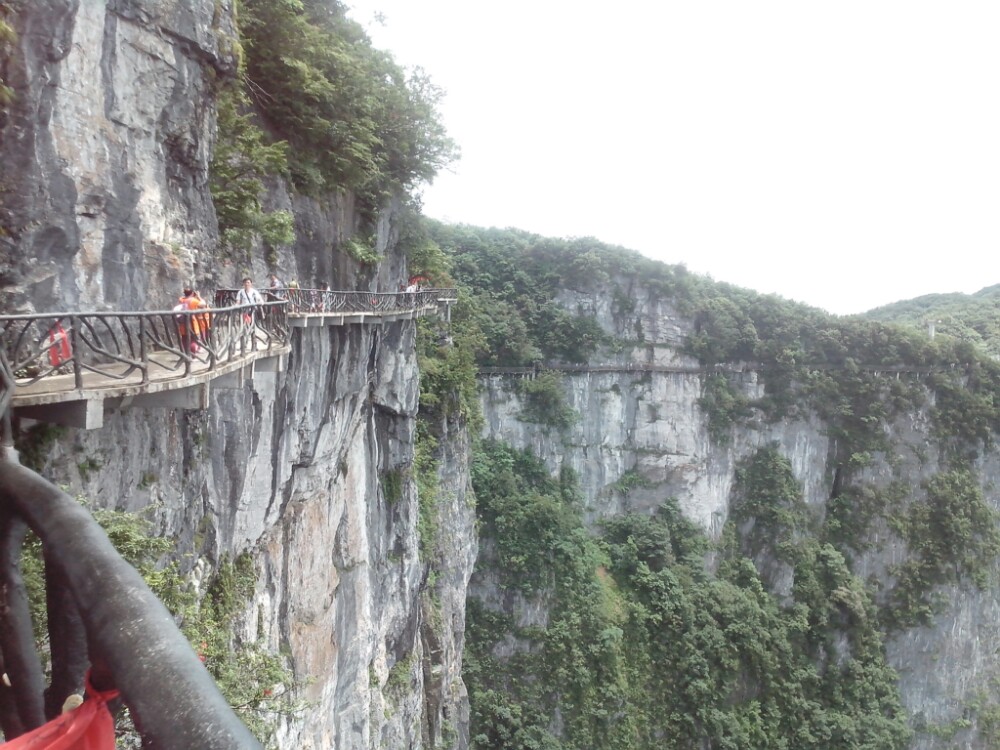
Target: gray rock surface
{"x": 104, "y": 160}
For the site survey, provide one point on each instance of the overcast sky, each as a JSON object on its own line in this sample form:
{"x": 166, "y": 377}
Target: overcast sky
{"x": 845, "y": 154}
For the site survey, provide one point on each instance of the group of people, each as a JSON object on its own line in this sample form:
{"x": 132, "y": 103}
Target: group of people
{"x": 195, "y": 330}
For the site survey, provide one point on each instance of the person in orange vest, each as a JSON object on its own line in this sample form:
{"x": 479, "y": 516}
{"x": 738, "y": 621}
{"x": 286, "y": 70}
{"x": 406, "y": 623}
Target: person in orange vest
{"x": 190, "y": 326}
{"x": 205, "y": 319}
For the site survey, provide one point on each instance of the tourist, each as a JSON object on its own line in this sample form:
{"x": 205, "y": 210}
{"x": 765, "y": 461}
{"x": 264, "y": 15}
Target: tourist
{"x": 248, "y": 296}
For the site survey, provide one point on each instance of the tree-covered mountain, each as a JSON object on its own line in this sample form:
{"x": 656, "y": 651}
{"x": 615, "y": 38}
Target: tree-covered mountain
{"x": 655, "y": 635}
{"x": 967, "y": 317}
{"x": 706, "y": 517}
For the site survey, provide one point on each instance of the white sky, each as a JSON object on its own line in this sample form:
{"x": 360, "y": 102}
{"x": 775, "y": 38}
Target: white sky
{"x": 842, "y": 153}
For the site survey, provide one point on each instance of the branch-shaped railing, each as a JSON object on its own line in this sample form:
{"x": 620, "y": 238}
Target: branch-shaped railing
{"x": 311, "y": 301}
{"x": 73, "y": 351}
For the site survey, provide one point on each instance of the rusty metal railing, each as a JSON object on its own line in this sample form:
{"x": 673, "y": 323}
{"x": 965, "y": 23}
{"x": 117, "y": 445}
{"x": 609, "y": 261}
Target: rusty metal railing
{"x": 307, "y": 301}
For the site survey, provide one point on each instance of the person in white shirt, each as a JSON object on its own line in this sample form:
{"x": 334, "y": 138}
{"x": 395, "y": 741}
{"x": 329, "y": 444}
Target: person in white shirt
{"x": 248, "y": 296}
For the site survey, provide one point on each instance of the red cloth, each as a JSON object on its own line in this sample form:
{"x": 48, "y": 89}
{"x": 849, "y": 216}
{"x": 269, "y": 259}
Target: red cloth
{"x": 59, "y": 350}
{"x": 87, "y": 727}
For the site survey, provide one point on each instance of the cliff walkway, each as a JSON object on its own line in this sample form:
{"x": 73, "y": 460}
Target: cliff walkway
{"x": 638, "y": 367}
{"x": 319, "y": 307}
{"x": 69, "y": 368}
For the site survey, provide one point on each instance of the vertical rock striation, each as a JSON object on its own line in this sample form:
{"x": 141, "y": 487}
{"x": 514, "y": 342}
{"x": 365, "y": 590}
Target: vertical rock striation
{"x": 105, "y": 150}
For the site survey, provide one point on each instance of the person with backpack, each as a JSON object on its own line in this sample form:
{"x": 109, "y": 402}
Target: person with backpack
{"x": 204, "y": 319}
{"x": 273, "y": 290}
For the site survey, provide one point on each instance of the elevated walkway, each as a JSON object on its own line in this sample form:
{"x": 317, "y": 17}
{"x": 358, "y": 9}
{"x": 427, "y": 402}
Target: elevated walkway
{"x": 72, "y": 368}
{"x": 324, "y": 307}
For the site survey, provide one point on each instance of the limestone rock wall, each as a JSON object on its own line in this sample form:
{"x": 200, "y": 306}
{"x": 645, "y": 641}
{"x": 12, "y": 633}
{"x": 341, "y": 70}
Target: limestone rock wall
{"x": 105, "y": 151}
{"x": 651, "y": 424}
{"x": 105, "y": 205}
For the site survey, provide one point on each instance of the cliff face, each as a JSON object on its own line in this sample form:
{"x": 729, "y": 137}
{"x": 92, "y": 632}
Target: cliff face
{"x": 105, "y": 205}
{"x": 104, "y": 157}
{"x": 650, "y": 426}
{"x": 106, "y": 149}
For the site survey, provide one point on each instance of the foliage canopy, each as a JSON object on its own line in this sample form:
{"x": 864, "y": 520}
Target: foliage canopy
{"x": 353, "y": 118}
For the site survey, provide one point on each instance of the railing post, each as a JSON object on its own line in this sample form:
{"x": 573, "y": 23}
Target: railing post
{"x": 186, "y": 340}
{"x": 7, "y": 385}
{"x": 74, "y": 336}
{"x": 6, "y": 434}
{"x": 142, "y": 349}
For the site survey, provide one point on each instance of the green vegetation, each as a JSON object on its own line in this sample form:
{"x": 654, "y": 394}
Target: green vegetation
{"x": 724, "y": 405}
{"x": 816, "y": 653}
{"x": 392, "y": 484}
{"x": 972, "y": 318}
{"x": 361, "y": 251}
{"x": 448, "y": 393}
{"x": 33, "y": 444}
{"x": 335, "y": 114}
{"x": 424, "y": 256}
{"x": 242, "y": 160}
{"x": 426, "y": 465}
{"x": 512, "y": 279}
{"x": 8, "y": 38}
{"x": 629, "y": 481}
{"x": 645, "y": 648}
{"x": 446, "y": 357}
{"x": 952, "y": 535}
{"x": 768, "y": 499}
{"x": 353, "y": 118}
{"x": 840, "y": 368}
{"x": 545, "y": 401}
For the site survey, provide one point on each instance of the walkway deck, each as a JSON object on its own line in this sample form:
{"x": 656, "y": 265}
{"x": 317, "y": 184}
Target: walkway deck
{"x": 70, "y": 368}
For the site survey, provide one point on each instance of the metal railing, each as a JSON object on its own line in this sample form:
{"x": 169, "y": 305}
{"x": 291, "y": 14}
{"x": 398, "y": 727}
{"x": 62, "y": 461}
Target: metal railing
{"x": 319, "y": 301}
{"x": 116, "y": 346}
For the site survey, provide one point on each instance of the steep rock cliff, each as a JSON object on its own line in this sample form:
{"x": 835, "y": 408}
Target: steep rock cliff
{"x": 640, "y": 437}
{"x": 105, "y": 205}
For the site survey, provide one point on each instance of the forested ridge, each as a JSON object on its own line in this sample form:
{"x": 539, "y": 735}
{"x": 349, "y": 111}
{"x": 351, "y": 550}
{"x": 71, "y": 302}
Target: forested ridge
{"x": 968, "y": 317}
{"x": 658, "y": 637}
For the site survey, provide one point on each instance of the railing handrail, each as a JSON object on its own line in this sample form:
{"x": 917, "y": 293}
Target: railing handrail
{"x": 304, "y": 302}
{"x": 135, "y": 313}
{"x": 104, "y": 350}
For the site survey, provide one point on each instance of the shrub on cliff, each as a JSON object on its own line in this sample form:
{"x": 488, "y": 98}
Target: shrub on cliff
{"x": 242, "y": 160}
{"x": 353, "y": 118}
